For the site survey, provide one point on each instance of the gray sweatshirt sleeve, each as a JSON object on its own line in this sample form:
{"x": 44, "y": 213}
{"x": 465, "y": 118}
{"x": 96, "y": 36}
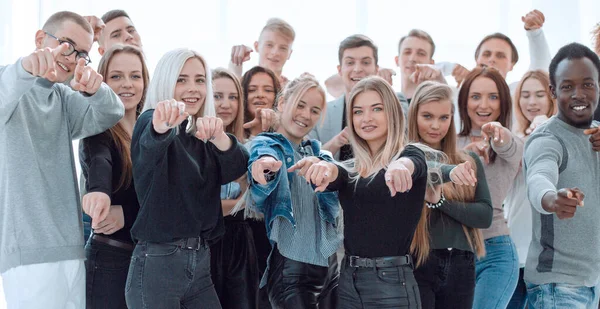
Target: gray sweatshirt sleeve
{"x": 542, "y": 158}
{"x": 91, "y": 115}
{"x": 539, "y": 51}
{"x": 14, "y": 83}
{"x": 511, "y": 151}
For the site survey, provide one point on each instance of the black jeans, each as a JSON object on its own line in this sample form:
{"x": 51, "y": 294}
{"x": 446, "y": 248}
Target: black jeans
{"x": 263, "y": 248}
{"x": 378, "y": 287}
{"x": 447, "y": 279}
{"x": 106, "y": 273}
{"x": 234, "y": 267}
{"x": 166, "y": 276}
{"x": 292, "y": 284}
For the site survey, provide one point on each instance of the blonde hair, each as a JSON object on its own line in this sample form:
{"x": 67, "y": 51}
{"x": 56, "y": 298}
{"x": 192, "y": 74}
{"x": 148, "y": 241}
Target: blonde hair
{"x": 236, "y": 126}
{"x": 280, "y": 26}
{"x": 522, "y": 123}
{"x": 367, "y": 163}
{"x": 162, "y": 85}
{"x": 295, "y": 90}
{"x": 427, "y": 92}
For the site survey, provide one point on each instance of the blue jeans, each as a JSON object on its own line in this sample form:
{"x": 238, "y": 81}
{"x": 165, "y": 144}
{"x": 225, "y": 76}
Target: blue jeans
{"x": 87, "y": 227}
{"x": 496, "y": 274}
{"x": 519, "y": 298}
{"x": 558, "y": 295}
{"x": 106, "y": 273}
{"x": 165, "y": 276}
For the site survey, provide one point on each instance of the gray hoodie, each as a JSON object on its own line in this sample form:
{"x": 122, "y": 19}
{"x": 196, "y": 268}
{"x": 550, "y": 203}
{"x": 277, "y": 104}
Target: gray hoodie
{"x": 40, "y": 212}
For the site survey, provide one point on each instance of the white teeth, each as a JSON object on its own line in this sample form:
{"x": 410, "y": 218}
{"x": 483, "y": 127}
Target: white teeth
{"x": 355, "y": 79}
{"x": 301, "y": 124}
{"x": 127, "y": 95}
{"x": 62, "y": 66}
{"x": 484, "y": 114}
{"x": 190, "y": 100}
{"x": 579, "y": 108}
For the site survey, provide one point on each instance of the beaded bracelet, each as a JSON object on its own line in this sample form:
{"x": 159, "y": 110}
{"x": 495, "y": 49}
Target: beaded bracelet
{"x": 438, "y": 204}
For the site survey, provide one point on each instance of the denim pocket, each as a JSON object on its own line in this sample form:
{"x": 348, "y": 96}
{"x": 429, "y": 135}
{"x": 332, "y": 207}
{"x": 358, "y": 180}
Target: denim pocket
{"x": 160, "y": 250}
{"x": 389, "y": 275}
{"x": 131, "y": 273}
{"x": 535, "y": 295}
{"x": 111, "y": 260}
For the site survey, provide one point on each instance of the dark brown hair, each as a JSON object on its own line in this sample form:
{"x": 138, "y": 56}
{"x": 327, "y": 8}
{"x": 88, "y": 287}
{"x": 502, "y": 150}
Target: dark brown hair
{"x": 354, "y": 41}
{"x": 505, "y": 101}
{"x": 246, "y": 79}
{"x": 500, "y": 36}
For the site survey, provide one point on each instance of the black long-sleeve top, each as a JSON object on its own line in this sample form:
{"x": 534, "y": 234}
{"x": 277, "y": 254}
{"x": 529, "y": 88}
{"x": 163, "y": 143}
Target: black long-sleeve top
{"x": 101, "y": 164}
{"x": 178, "y": 180}
{"x": 376, "y": 224}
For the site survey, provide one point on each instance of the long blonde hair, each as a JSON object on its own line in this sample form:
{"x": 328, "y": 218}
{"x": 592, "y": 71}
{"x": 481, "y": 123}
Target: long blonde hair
{"x": 366, "y": 164}
{"x": 236, "y": 126}
{"x": 428, "y": 92}
{"x": 295, "y": 89}
{"x": 522, "y": 122}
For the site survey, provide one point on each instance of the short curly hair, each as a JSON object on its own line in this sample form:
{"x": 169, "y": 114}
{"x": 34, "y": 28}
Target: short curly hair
{"x": 572, "y": 51}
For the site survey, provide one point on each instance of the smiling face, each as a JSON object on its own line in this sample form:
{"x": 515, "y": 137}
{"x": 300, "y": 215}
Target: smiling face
{"x": 73, "y": 33}
{"x": 126, "y": 79}
{"x": 261, "y": 92}
{"x": 119, "y": 30}
{"x": 496, "y": 53}
{"x": 433, "y": 121}
{"x": 274, "y": 50}
{"x": 576, "y": 91}
{"x": 483, "y": 104}
{"x": 227, "y": 99}
{"x": 298, "y": 121}
{"x": 534, "y": 99}
{"x": 191, "y": 86}
{"x": 357, "y": 63}
{"x": 369, "y": 119}
{"x": 413, "y": 51}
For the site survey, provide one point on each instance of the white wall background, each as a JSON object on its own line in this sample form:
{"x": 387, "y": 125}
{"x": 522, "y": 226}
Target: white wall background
{"x": 212, "y": 27}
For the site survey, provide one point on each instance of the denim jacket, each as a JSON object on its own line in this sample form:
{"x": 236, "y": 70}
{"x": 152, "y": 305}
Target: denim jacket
{"x": 274, "y": 199}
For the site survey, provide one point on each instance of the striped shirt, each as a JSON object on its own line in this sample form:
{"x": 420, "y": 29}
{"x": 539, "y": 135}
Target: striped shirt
{"x": 312, "y": 240}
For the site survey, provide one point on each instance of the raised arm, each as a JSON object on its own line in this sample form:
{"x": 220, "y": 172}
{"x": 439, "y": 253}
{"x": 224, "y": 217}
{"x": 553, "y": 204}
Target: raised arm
{"x": 539, "y": 51}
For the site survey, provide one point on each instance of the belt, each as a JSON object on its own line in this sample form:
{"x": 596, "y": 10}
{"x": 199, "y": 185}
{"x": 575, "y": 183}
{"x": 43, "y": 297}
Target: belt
{"x": 113, "y": 242}
{"x": 388, "y": 261}
{"x": 191, "y": 243}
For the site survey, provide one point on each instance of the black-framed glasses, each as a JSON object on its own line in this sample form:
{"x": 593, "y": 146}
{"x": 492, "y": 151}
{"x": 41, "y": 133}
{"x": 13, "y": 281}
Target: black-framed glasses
{"x": 71, "y": 50}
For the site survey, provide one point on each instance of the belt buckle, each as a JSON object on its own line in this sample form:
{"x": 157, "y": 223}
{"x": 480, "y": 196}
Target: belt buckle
{"x": 352, "y": 260}
{"x": 191, "y": 247}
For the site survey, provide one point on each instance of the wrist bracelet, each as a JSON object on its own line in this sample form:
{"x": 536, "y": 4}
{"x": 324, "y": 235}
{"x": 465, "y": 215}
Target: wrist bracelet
{"x": 438, "y": 204}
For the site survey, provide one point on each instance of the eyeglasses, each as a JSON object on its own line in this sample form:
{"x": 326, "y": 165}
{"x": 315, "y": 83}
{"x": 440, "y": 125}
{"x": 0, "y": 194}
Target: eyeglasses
{"x": 71, "y": 50}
